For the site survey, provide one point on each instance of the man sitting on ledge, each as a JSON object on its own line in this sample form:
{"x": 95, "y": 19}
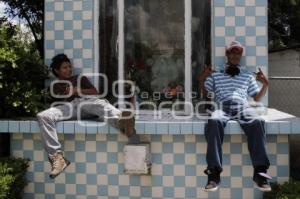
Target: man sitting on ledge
{"x": 231, "y": 89}
{"x": 91, "y": 106}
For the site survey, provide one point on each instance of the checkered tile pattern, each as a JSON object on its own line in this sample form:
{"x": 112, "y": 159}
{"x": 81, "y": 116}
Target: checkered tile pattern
{"x": 177, "y": 172}
{"x": 69, "y": 30}
{"x": 245, "y": 21}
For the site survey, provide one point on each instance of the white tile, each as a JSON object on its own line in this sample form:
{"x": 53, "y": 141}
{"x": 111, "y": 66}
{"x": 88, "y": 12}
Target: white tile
{"x": 229, "y": 21}
{"x": 260, "y": 11}
{"x": 250, "y": 21}
{"x": 219, "y": 11}
{"x": 68, "y": 15}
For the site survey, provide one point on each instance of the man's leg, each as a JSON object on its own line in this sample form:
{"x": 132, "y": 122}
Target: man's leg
{"x": 47, "y": 121}
{"x": 254, "y": 129}
{"x": 123, "y": 120}
{"x": 214, "y": 134}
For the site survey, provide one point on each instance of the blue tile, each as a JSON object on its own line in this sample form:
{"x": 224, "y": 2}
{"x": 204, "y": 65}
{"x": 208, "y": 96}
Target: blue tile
{"x": 261, "y": 60}
{"x": 285, "y": 127}
{"x": 80, "y": 189}
{"x": 25, "y": 126}
{"x": 123, "y": 190}
{"x": 39, "y": 187}
{"x": 190, "y": 170}
{"x": 102, "y": 190}
{"x": 87, "y": 63}
{"x": 226, "y": 159}
{"x": 68, "y": 25}
{"x": 247, "y": 182}
{"x": 167, "y": 148}
{"x": 16, "y": 144}
{"x": 139, "y": 127}
{"x": 80, "y": 145}
{"x": 250, "y": 31}
{"x": 190, "y": 192}
{"x": 77, "y": 53}
{"x": 261, "y": 40}
{"x": 77, "y": 15}
{"x": 90, "y": 156}
{"x": 283, "y": 171}
{"x": 220, "y": 41}
{"x": 49, "y": 25}
{"x": 68, "y": 5}
{"x": 80, "y": 167}
{"x": 236, "y": 193}
{"x": 34, "y": 127}
{"x": 68, "y": 44}
{"x": 38, "y": 166}
{"x": 201, "y": 159}
{"x": 198, "y": 127}
{"x": 272, "y": 127}
{"x": 87, "y": 43}
{"x": 87, "y": 5}
{"x": 220, "y": 3}
{"x": 179, "y": 181}
{"x": 272, "y": 159}
{"x": 102, "y": 168}
{"x": 60, "y": 127}
{"x": 112, "y": 157}
{"x": 235, "y": 148}
{"x": 162, "y": 128}
{"x": 219, "y": 21}
{"x": 226, "y": 181}
{"x": 49, "y": 6}
{"x": 246, "y": 160}
{"x": 190, "y": 148}
{"x": 60, "y": 188}
{"x": 103, "y": 128}
{"x": 229, "y": 31}
{"x": 80, "y": 127}
{"x": 69, "y": 127}
{"x": 91, "y": 179}
{"x": 113, "y": 180}
{"x": 236, "y": 171}
{"x": 168, "y": 170}
{"x": 70, "y": 178}
{"x": 58, "y": 15}
{"x": 295, "y": 125}
{"x": 240, "y": 2}
{"x": 229, "y": 11}
{"x": 156, "y": 181}
{"x": 250, "y": 11}
{"x": 168, "y": 192}
{"x": 135, "y": 180}
{"x": 186, "y": 128}
{"x": 13, "y": 126}
{"x": 92, "y": 127}
{"x": 3, "y": 126}
{"x": 174, "y": 128}
{"x": 251, "y": 50}
{"x": 150, "y": 128}
{"x": 234, "y": 128}
{"x": 282, "y": 148}
{"x": 179, "y": 159}
{"x": 87, "y": 24}
{"x": 146, "y": 191}
{"x": 261, "y": 21}
{"x": 113, "y": 130}
{"x": 240, "y": 21}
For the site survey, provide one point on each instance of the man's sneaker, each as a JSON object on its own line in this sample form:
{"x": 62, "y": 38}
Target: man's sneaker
{"x": 58, "y": 164}
{"x": 126, "y": 123}
{"x": 261, "y": 181}
{"x": 213, "y": 180}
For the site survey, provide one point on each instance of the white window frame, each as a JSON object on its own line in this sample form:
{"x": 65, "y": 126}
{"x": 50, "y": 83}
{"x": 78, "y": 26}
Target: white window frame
{"x": 121, "y": 45}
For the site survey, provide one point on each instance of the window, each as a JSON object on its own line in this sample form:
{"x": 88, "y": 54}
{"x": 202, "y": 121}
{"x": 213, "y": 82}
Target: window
{"x": 161, "y": 46}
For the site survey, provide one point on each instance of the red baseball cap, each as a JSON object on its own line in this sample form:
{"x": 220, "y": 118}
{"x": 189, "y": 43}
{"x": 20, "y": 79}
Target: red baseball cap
{"x": 235, "y": 45}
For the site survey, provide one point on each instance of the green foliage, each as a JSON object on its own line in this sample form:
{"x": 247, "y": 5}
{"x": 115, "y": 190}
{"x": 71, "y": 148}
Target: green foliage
{"x": 22, "y": 75}
{"x": 288, "y": 190}
{"x": 12, "y": 177}
{"x": 284, "y": 23}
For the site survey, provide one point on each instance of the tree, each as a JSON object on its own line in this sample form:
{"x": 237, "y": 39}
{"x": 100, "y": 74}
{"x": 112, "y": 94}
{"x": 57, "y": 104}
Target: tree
{"x": 284, "y": 23}
{"x": 32, "y": 12}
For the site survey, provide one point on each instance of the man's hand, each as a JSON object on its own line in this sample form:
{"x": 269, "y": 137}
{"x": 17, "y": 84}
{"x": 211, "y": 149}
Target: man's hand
{"x": 262, "y": 78}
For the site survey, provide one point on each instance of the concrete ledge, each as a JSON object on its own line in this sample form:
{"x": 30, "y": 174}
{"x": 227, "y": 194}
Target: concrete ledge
{"x": 277, "y": 122}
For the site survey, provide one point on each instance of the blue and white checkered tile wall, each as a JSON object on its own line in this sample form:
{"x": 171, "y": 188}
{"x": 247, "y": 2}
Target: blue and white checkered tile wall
{"x": 178, "y": 161}
{"x": 245, "y": 21}
{"x": 69, "y": 30}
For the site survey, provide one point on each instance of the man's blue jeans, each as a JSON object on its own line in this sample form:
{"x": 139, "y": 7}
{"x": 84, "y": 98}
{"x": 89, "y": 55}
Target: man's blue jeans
{"x": 251, "y": 124}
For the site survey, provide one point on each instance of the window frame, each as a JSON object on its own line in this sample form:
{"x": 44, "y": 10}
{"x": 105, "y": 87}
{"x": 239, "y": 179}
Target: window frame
{"x": 121, "y": 50}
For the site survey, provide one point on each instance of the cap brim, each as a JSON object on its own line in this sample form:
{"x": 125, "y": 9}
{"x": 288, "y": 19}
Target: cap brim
{"x": 235, "y": 47}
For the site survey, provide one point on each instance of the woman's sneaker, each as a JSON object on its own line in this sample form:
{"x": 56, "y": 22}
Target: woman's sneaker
{"x": 213, "y": 180}
{"x": 58, "y": 164}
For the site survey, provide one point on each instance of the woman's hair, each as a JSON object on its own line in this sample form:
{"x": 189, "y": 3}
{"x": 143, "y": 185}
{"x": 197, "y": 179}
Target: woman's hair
{"x": 57, "y": 60}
